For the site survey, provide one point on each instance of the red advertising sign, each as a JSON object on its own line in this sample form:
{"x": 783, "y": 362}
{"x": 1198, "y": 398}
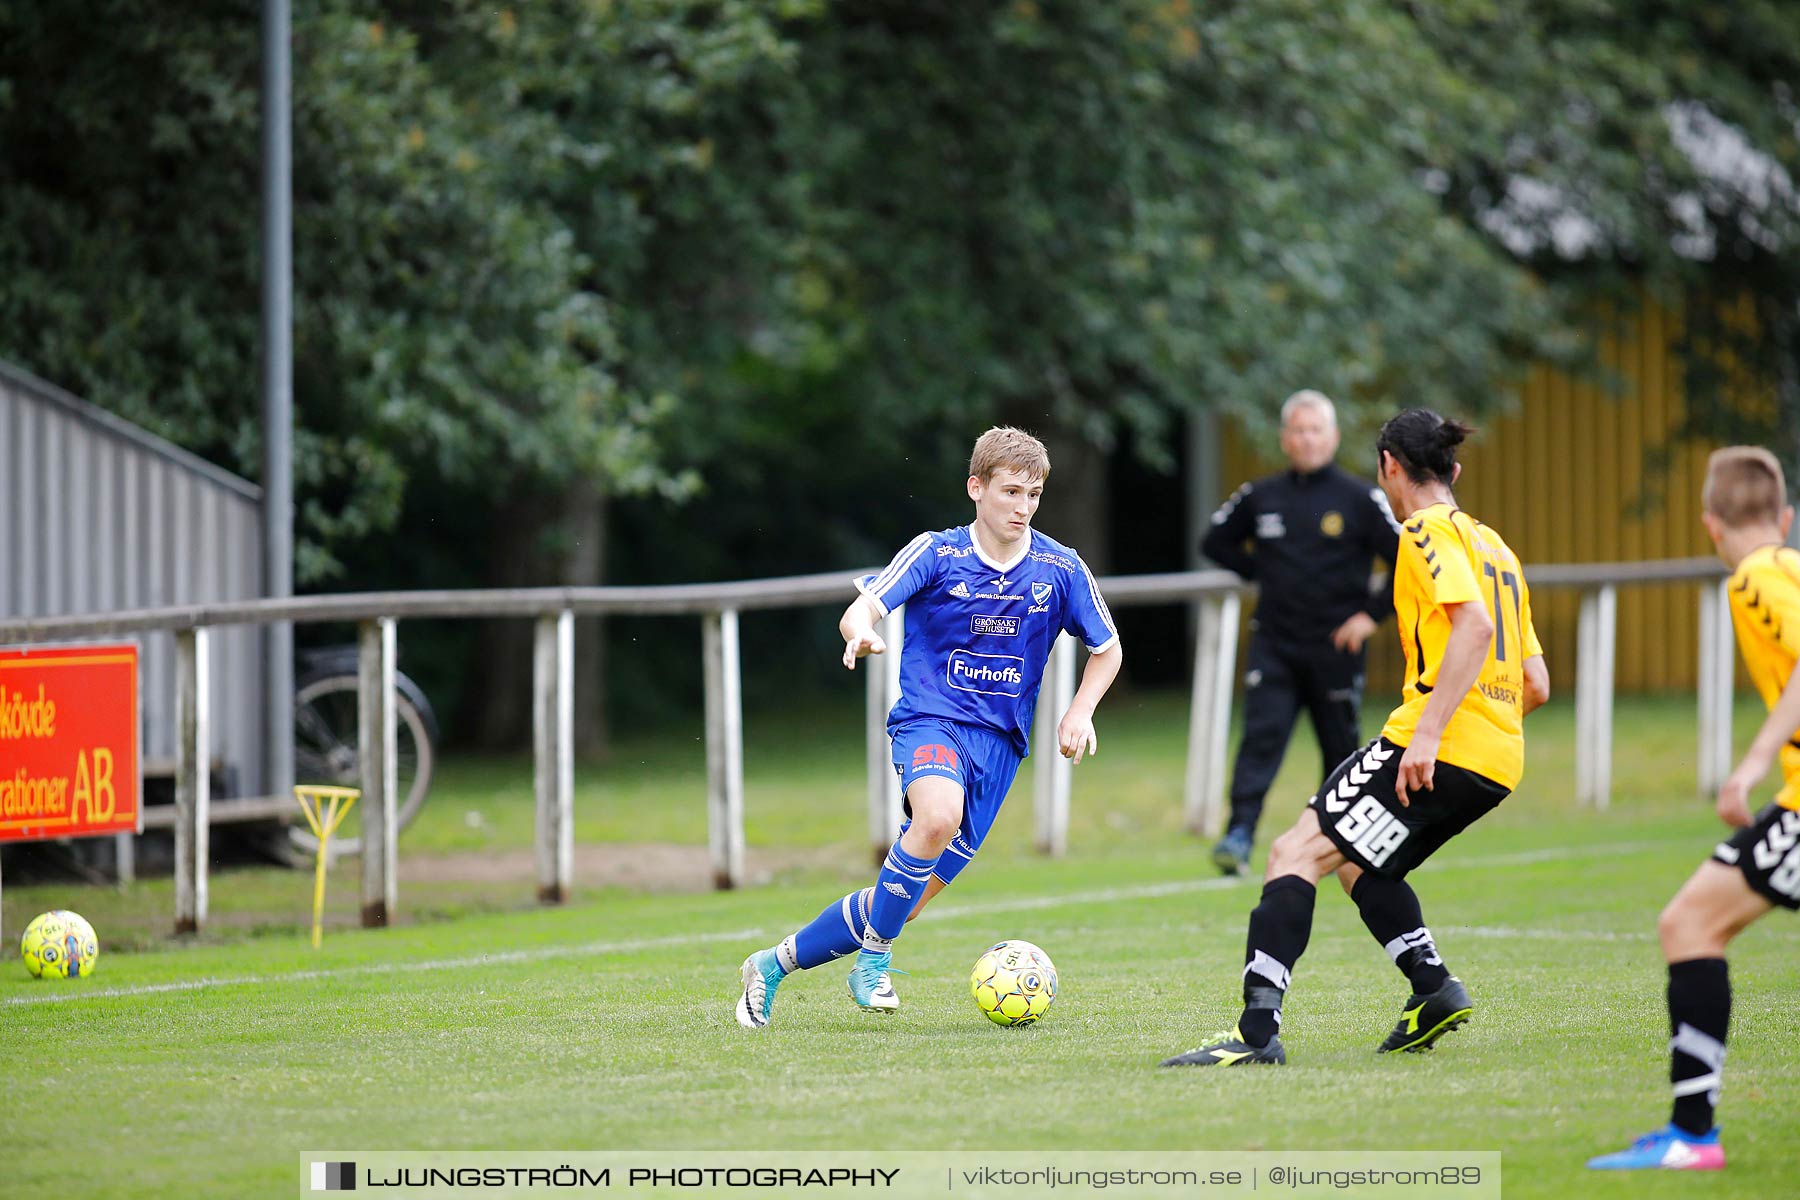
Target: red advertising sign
{"x": 68, "y": 742}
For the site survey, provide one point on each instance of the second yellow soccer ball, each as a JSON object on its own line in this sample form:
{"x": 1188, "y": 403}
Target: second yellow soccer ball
{"x": 59, "y": 944}
{"x": 1013, "y": 983}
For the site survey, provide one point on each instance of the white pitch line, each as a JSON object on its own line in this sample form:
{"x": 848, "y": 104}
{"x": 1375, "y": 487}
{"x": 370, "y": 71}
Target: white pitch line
{"x": 1514, "y": 933}
{"x": 586, "y": 949}
{"x": 1182, "y": 887}
{"x": 1148, "y": 891}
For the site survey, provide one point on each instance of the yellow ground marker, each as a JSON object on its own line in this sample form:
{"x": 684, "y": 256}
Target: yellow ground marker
{"x": 325, "y": 808}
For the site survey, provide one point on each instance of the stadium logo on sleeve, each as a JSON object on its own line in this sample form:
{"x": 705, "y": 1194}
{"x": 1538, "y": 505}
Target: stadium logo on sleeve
{"x": 994, "y": 626}
{"x": 989, "y": 674}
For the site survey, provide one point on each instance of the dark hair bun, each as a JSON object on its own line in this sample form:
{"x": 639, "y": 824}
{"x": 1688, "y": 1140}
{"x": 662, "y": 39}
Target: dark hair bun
{"x": 1424, "y": 443}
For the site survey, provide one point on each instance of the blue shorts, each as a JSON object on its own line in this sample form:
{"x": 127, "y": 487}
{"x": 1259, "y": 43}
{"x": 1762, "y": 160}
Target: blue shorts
{"x": 982, "y": 761}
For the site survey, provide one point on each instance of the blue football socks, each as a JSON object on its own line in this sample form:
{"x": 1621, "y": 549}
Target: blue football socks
{"x": 901, "y": 882}
{"x": 837, "y": 931}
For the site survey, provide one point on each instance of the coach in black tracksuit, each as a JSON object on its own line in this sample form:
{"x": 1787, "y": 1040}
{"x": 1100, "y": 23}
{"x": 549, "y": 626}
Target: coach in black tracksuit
{"x": 1309, "y": 537}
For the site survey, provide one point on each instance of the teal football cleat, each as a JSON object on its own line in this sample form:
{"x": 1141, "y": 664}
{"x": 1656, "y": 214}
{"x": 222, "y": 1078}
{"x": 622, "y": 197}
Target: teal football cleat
{"x": 1670, "y": 1148}
{"x": 886, "y": 999}
{"x": 870, "y": 986}
{"x": 761, "y": 975}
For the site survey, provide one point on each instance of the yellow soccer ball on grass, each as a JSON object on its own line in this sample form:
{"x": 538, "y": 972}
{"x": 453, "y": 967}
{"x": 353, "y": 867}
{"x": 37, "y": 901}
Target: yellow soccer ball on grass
{"x": 59, "y": 944}
{"x": 1013, "y": 983}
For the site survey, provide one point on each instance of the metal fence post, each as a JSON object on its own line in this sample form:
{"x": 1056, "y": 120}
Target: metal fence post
{"x": 376, "y": 745}
{"x": 724, "y": 747}
{"x": 553, "y": 727}
{"x": 1053, "y": 776}
{"x": 193, "y": 782}
{"x": 125, "y": 855}
{"x": 1715, "y": 688}
{"x": 1209, "y": 714}
{"x": 1193, "y": 793}
{"x": 881, "y": 689}
{"x": 1230, "y": 614}
{"x": 1608, "y": 648}
{"x": 125, "y": 844}
{"x": 1596, "y": 648}
{"x": 1584, "y": 704}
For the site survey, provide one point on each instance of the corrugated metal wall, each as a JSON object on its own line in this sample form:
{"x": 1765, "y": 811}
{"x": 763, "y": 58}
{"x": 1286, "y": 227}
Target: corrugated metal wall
{"x": 96, "y": 514}
{"x": 1562, "y": 476}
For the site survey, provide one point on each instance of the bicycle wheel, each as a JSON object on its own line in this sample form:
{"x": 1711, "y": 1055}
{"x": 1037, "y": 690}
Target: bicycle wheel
{"x": 326, "y": 735}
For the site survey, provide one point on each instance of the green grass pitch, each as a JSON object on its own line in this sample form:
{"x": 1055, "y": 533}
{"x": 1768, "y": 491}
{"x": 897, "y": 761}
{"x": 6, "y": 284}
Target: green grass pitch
{"x": 483, "y": 1022}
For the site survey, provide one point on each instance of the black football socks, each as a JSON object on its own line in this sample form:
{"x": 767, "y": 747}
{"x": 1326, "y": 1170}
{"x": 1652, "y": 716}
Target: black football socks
{"x": 1279, "y": 928}
{"x": 1699, "y": 1011}
{"x": 1390, "y": 908}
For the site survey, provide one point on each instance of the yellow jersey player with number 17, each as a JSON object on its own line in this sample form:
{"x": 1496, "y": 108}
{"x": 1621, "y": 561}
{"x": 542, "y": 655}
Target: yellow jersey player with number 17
{"x": 1745, "y": 510}
{"x": 1451, "y": 752}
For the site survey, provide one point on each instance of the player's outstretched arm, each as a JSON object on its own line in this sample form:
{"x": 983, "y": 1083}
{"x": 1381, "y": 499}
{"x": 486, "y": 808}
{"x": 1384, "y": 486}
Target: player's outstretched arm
{"x": 1075, "y": 732}
{"x": 1537, "y": 683}
{"x": 857, "y": 626}
{"x": 1465, "y": 650}
{"x": 1780, "y": 725}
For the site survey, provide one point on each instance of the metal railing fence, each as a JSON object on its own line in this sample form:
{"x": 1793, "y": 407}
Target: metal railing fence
{"x": 1218, "y": 596}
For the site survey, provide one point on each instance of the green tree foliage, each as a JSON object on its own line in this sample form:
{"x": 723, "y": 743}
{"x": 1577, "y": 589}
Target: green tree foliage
{"x": 1648, "y": 147}
{"x": 1118, "y": 212}
{"x": 527, "y": 236}
{"x": 782, "y": 259}
{"x": 443, "y": 322}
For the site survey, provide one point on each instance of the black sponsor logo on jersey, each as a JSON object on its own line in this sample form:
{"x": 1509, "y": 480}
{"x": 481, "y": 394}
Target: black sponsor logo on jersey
{"x": 1499, "y": 692}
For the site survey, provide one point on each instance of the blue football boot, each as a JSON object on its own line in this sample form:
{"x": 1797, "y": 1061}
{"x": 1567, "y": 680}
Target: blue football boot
{"x": 870, "y": 986}
{"x": 1670, "y": 1148}
{"x": 761, "y": 974}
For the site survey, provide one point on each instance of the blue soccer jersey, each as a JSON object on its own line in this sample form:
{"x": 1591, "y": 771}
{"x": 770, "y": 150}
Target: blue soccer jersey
{"x": 978, "y": 632}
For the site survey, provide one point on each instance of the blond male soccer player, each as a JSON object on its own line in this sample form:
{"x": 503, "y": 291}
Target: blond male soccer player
{"x": 985, "y": 602}
{"x": 1452, "y": 751}
{"x": 1745, "y": 509}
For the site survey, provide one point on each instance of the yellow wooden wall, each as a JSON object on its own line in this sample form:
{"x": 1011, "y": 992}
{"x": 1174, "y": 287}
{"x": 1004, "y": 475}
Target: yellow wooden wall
{"x": 1561, "y": 474}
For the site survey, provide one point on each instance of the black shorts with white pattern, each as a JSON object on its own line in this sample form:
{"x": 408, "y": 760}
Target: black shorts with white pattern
{"x": 1360, "y": 812}
{"x": 1767, "y": 851}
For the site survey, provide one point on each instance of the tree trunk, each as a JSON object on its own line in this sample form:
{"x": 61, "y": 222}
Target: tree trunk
{"x": 540, "y": 542}
{"x": 584, "y": 510}
{"x": 1076, "y": 509}
{"x": 499, "y": 706}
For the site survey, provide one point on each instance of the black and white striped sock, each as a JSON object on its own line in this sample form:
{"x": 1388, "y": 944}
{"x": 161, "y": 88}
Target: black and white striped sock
{"x": 1699, "y": 1013}
{"x": 1280, "y": 927}
{"x": 1390, "y": 909}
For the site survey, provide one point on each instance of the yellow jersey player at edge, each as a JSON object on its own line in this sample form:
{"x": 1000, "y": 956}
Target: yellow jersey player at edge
{"x": 1744, "y": 507}
{"x": 1451, "y": 752}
